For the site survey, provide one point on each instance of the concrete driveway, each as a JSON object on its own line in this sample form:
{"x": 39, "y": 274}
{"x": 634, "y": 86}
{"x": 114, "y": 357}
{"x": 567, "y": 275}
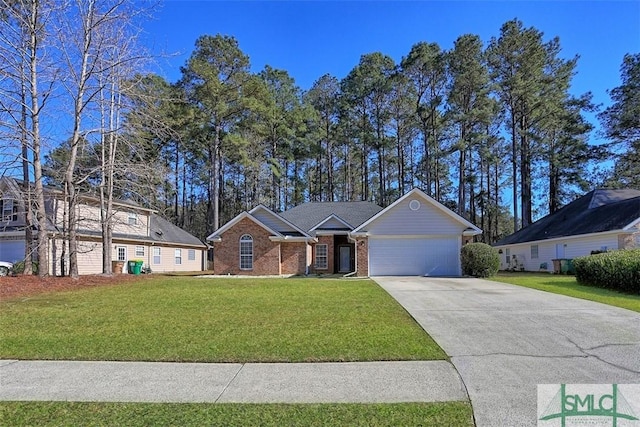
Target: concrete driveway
{"x": 505, "y": 339}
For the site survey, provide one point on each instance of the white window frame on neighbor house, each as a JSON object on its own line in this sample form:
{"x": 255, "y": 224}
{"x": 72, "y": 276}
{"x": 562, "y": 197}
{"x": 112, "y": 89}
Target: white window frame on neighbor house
{"x": 246, "y": 252}
{"x": 322, "y": 256}
{"x": 9, "y": 213}
{"x": 133, "y": 218}
{"x": 156, "y": 256}
{"x": 534, "y": 252}
{"x": 121, "y": 253}
{"x": 178, "y": 256}
{"x": 191, "y": 254}
{"x": 139, "y": 251}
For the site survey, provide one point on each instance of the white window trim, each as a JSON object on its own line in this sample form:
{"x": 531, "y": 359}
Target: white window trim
{"x": 191, "y": 254}
{"x": 178, "y": 256}
{"x": 158, "y": 260}
{"x": 139, "y": 251}
{"x": 248, "y": 257}
{"x": 124, "y": 251}
{"x": 324, "y": 265}
{"x": 535, "y": 254}
{"x": 7, "y": 209}
{"x": 133, "y": 219}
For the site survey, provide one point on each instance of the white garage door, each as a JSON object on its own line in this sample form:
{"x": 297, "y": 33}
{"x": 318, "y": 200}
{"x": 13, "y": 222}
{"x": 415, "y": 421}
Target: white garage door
{"x": 414, "y": 257}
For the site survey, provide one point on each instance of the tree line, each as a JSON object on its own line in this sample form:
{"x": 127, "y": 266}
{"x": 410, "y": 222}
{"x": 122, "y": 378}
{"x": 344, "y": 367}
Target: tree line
{"x": 489, "y": 129}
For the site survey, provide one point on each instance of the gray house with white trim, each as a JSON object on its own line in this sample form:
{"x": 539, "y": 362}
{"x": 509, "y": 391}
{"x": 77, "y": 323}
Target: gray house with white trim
{"x": 601, "y": 220}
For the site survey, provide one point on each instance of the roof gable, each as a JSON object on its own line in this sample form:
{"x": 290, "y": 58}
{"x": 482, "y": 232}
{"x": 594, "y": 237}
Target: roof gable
{"x": 217, "y": 235}
{"x": 9, "y": 188}
{"x": 332, "y": 222}
{"x": 309, "y": 215}
{"x": 276, "y": 222}
{"x": 598, "y": 211}
{"x": 420, "y": 220}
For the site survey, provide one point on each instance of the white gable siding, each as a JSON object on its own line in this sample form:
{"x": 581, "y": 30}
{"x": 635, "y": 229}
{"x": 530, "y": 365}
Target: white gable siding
{"x": 272, "y": 221}
{"x": 428, "y": 220}
{"x": 332, "y": 224}
{"x": 573, "y": 247}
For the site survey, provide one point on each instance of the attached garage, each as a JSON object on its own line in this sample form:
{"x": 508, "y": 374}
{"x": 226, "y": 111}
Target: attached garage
{"x": 415, "y": 236}
{"x": 414, "y": 256}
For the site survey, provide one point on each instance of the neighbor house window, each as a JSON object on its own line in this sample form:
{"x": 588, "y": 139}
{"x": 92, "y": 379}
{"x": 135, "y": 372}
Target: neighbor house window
{"x": 191, "y": 254}
{"x": 246, "y": 252}
{"x": 9, "y": 210}
{"x": 156, "y": 255}
{"x": 133, "y": 219}
{"x": 507, "y": 254}
{"x": 122, "y": 253}
{"x": 321, "y": 257}
{"x": 139, "y": 251}
{"x": 534, "y": 251}
{"x": 178, "y": 256}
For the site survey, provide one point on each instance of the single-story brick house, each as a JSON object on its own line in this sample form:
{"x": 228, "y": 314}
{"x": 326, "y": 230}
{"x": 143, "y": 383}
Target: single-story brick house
{"x": 601, "y": 220}
{"x": 416, "y": 235}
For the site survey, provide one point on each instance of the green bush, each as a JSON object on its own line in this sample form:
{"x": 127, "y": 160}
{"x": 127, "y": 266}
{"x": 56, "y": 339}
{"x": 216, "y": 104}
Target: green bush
{"x": 479, "y": 260}
{"x": 617, "y": 270}
{"x": 18, "y": 267}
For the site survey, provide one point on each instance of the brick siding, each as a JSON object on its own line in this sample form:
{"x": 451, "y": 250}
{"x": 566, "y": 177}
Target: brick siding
{"x": 326, "y": 240}
{"x": 294, "y": 258}
{"x": 266, "y": 254}
{"x": 269, "y": 258}
{"x": 362, "y": 257}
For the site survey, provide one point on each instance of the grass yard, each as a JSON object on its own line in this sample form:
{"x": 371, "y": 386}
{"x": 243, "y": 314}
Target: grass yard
{"x": 215, "y": 320}
{"x": 567, "y": 285}
{"x": 452, "y": 414}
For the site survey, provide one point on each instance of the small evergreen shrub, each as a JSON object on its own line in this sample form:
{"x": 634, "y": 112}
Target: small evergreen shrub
{"x": 18, "y": 267}
{"x": 479, "y": 260}
{"x": 617, "y": 270}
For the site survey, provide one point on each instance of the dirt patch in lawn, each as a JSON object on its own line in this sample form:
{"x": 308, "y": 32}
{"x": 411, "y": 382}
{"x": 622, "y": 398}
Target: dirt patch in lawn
{"x": 19, "y": 286}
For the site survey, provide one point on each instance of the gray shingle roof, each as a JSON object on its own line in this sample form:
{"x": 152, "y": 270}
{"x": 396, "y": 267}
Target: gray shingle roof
{"x": 595, "y": 212}
{"x": 162, "y": 230}
{"x": 308, "y": 215}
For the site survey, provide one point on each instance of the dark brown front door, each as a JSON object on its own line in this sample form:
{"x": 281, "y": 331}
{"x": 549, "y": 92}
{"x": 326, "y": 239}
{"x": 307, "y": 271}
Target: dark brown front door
{"x": 344, "y": 259}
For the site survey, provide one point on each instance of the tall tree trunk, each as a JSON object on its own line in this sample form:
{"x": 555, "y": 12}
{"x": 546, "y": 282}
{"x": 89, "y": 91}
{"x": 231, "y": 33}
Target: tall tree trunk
{"x": 462, "y": 161}
{"x": 400, "y": 161}
{"x": 525, "y": 174}
{"x": 28, "y": 215}
{"x": 41, "y": 215}
{"x": 330, "y": 185}
{"x": 214, "y": 180}
{"x": 514, "y": 168}
{"x": 554, "y": 177}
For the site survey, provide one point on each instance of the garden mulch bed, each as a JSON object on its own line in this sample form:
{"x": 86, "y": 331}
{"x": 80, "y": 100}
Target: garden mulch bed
{"x": 21, "y": 286}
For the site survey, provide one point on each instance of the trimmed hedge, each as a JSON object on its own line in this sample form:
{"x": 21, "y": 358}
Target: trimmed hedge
{"x": 479, "y": 260}
{"x": 617, "y": 270}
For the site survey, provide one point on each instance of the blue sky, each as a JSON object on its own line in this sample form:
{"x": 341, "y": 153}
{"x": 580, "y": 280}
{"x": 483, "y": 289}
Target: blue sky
{"x": 311, "y": 38}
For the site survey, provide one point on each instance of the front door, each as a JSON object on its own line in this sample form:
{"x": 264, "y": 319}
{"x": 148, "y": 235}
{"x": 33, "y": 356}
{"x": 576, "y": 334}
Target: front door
{"x": 344, "y": 259}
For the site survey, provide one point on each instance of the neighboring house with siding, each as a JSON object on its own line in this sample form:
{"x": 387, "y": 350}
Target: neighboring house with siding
{"x": 600, "y": 220}
{"x": 138, "y": 233}
{"x": 416, "y": 235}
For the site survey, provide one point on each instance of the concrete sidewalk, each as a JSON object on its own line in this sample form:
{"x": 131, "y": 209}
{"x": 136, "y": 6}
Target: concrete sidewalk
{"x": 349, "y": 382}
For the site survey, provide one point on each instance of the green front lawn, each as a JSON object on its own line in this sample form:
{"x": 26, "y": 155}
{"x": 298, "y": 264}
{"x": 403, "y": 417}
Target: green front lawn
{"x": 567, "y": 285}
{"x": 454, "y": 414}
{"x": 215, "y": 320}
